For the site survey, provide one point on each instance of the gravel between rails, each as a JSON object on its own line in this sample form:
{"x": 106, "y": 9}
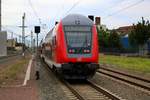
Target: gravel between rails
{"x": 120, "y": 89}
{"x": 49, "y": 86}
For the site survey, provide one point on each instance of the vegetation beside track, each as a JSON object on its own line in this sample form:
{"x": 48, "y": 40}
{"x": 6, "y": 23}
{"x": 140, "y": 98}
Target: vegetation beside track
{"x": 11, "y": 71}
{"x": 130, "y": 63}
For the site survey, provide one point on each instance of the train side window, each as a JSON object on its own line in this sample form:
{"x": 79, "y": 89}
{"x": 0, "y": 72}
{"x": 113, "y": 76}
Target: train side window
{"x": 54, "y": 40}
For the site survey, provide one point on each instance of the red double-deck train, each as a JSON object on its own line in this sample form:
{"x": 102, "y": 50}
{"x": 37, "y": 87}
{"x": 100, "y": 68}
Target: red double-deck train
{"x": 71, "y": 47}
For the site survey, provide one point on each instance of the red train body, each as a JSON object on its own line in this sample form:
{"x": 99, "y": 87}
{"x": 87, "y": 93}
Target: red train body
{"x": 71, "y": 47}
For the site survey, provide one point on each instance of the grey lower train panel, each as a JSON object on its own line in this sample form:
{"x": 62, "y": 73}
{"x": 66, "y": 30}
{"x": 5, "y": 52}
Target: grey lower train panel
{"x": 90, "y": 66}
{"x": 79, "y": 55}
{"x": 79, "y": 70}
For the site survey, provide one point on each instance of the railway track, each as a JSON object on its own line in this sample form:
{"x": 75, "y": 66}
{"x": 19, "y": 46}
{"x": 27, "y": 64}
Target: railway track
{"x": 127, "y": 78}
{"x": 10, "y": 57}
{"x": 5, "y": 57}
{"x": 90, "y": 91}
{"x": 85, "y": 90}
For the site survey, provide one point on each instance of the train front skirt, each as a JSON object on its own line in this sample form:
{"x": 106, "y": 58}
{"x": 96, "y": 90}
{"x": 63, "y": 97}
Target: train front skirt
{"x": 78, "y": 70}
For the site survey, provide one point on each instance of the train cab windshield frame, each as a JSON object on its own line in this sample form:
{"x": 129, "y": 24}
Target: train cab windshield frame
{"x": 78, "y": 38}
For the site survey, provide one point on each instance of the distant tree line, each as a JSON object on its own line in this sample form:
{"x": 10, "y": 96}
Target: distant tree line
{"x": 109, "y": 40}
{"x": 139, "y": 35}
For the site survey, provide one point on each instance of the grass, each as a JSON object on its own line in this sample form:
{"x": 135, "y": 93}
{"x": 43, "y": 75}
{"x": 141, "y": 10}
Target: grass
{"x": 131, "y": 63}
{"x": 11, "y": 71}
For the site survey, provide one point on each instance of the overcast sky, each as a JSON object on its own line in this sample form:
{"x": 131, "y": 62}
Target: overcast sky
{"x": 113, "y": 13}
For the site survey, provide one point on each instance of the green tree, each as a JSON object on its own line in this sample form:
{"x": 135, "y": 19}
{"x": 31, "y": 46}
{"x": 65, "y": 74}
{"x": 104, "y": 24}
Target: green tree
{"x": 140, "y": 33}
{"x": 114, "y": 40}
{"x": 103, "y": 37}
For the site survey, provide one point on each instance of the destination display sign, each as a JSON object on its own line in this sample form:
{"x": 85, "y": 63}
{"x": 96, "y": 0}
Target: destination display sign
{"x": 78, "y": 28}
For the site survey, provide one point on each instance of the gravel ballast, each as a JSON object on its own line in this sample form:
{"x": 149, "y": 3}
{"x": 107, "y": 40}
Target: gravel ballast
{"x": 123, "y": 90}
{"x": 49, "y": 86}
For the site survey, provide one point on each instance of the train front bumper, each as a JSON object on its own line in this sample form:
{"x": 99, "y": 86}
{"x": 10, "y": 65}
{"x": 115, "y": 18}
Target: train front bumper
{"x": 79, "y": 70}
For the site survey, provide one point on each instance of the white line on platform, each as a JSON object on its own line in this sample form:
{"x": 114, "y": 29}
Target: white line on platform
{"x": 27, "y": 76}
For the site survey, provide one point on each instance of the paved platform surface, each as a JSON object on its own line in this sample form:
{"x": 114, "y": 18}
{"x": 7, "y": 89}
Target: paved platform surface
{"x": 20, "y": 92}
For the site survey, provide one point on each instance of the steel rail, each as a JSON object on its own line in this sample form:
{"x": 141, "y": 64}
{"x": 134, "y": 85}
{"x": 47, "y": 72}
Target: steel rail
{"x": 64, "y": 82}
{"x": 73, "y": 90}
{"x": 94, "y": 86}
{"x": 125, "y": 80}
{"x": 125, "y": 74}
{"x": 104, "y": 91}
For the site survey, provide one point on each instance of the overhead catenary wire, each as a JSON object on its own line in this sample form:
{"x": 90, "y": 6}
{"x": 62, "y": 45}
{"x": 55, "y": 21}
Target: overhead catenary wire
{"x": 72, "y": 7}
{"x": 34, "y": 11}
{"x": 59, "y": 10}
{"x": 120, "y": 2}
{"x": 113, "y": 6}
{"x": 123, "y": 9}
{"x": 36, "y": 15}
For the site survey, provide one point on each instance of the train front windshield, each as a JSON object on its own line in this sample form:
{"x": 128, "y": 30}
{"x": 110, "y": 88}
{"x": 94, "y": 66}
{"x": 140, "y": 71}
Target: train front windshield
{"x": 78, "y": 38}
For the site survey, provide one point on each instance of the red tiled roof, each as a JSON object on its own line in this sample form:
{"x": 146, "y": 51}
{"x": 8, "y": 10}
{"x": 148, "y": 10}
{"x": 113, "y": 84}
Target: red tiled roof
{"x": 125, "y": 29}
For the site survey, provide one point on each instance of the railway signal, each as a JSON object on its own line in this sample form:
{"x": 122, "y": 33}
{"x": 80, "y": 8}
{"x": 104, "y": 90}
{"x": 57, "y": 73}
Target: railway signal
{"x": 37, "y": 31}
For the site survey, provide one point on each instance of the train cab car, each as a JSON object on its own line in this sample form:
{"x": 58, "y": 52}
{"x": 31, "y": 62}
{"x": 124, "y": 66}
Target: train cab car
{"x": 71, "y": 47}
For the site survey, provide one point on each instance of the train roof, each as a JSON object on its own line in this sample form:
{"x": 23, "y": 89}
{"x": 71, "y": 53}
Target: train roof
{"x": 77, "y": 19}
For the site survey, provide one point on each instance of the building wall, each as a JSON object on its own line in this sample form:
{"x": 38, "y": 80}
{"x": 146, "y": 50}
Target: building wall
{"x": 11, "y": 43}
{"x": 3, "y": 43}
{"x": 125, "y": 42}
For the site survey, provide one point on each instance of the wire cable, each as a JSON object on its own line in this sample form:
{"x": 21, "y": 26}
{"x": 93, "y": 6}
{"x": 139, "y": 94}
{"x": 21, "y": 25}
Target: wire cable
{"x": 123, "y": 9}
{"x": 73, "y": 6}
{"x": 60, "y": 10}
{"x": 34, "y": 11}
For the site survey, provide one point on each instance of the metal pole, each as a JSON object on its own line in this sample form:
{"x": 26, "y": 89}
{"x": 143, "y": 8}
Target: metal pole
{"x": 12, "y": 39}
{"x": 19, "y": 39}
{"x": 34, "y": 45}
{"x": 37, "y": 43}
{"x": 23, "y": 34}
{"x": 31, "y": 41}
{"x": 0, "y": 15}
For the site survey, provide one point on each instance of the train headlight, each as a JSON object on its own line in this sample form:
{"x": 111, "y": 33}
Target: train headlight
{"x": 86, "y": 51}
{"x": 71, "y": 51}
